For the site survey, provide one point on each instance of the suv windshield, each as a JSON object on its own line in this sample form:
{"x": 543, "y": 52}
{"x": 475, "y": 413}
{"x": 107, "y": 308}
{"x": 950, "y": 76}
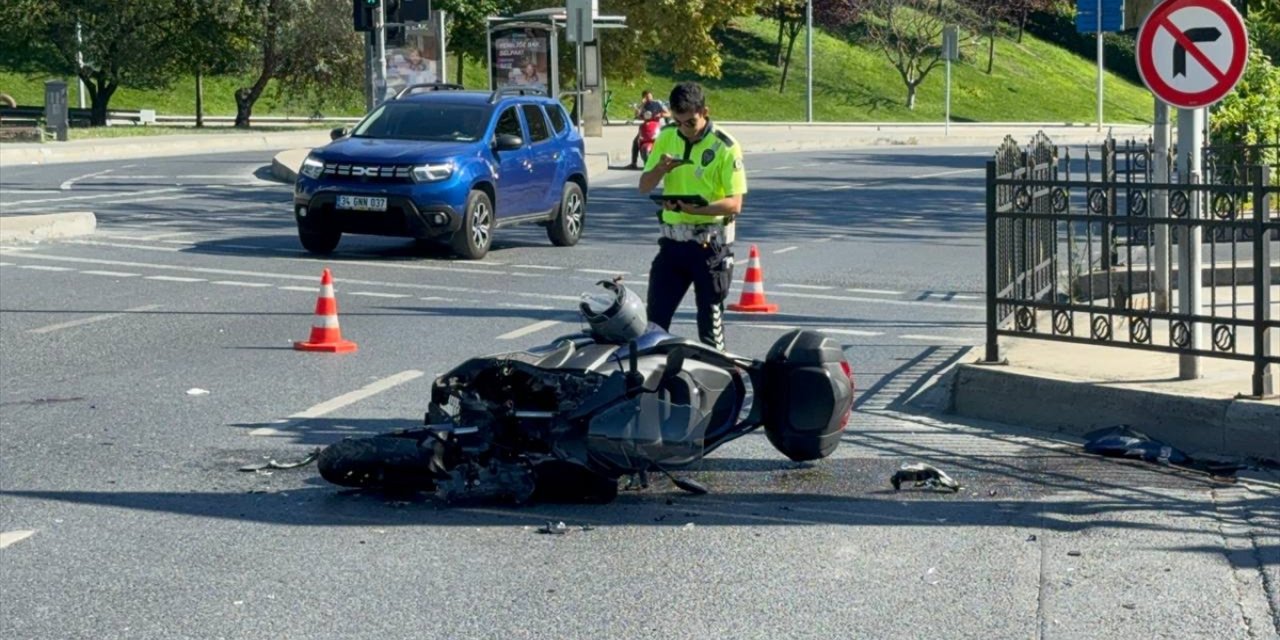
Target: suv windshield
{"x": 418, "y": 121}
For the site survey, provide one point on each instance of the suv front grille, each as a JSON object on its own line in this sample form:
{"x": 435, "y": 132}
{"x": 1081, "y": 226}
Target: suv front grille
{"x": 368, "y": 173}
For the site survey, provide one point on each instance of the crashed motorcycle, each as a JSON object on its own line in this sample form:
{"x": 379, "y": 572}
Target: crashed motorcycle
{"x": 567, "y": 420}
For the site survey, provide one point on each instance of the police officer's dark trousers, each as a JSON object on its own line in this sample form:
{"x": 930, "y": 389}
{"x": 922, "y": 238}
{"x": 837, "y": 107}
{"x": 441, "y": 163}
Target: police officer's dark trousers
{"x": 708, "y": 267}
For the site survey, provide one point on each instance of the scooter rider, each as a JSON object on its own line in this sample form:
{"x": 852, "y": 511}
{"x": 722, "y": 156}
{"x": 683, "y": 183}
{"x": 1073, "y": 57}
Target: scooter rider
{"x": 693, "y": 157}
{"x": 654, "y": 109}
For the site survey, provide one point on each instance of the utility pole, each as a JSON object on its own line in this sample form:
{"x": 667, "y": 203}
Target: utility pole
{"x": 808, "y": 67}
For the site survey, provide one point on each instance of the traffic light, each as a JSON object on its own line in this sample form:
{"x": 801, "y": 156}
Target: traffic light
{"x": 362, "y": 13}
{"x": 391, "y": 15}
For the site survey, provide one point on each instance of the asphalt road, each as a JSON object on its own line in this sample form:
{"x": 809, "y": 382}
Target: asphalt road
{"x": 144, "y": 364}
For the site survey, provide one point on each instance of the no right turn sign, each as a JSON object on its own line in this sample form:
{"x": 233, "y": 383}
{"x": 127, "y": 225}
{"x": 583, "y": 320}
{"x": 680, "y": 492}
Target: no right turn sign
{"x": 1191, "y": 53}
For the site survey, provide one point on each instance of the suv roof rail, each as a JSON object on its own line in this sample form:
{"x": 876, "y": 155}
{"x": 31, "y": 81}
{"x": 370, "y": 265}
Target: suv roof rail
{"x": 516, "y": 91}
{"x": 434, "y": 86}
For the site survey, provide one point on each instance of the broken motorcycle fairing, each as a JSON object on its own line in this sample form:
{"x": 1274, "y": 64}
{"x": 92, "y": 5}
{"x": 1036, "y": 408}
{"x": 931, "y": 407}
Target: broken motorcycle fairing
{"x": 565, "y": 420}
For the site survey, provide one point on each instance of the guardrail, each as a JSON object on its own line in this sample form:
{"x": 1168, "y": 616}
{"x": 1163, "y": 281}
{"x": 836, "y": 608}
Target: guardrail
{"x": 27, "y": 115}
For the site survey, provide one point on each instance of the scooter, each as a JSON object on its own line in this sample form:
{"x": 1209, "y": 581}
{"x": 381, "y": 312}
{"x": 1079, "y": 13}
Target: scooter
{"x": 567, "y": 420}
{"x": 650, "y": 125}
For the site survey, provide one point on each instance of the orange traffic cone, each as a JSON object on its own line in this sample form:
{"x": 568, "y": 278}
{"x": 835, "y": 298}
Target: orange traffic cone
{"x": 752, "y": 299}
{"x": 325, "y": 334}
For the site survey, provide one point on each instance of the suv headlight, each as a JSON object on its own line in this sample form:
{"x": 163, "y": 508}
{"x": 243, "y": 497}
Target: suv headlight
{"x": 432, "y": 172}
{"x": 312, "y": 167}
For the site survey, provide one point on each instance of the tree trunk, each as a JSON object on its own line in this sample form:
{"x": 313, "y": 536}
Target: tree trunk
{"x": 777, "y": 56}
{"x": 199, "y": 97}
{"x": 101, "y": 98}
{"x": 461, "y": 55}
{"x": 911, "y": 95}
{"x": 246, "y": 97}
{"x": 786, "y": 65}
{"x": 991, "y": 52}
{"x": 1022, "y": 23}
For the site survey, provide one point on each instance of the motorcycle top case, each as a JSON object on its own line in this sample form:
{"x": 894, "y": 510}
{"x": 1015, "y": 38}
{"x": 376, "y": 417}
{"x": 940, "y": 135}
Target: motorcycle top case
{"x": 809, "y": 395}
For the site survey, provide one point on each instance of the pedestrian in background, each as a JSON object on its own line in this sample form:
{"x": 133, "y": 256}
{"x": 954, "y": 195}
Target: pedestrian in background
{"x": 693, "y": 157}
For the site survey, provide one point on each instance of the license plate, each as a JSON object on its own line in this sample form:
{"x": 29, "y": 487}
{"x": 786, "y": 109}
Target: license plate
{"x": 362, "y": 203}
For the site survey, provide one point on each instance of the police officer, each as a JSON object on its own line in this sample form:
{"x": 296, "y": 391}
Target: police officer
{"x": 693, "y": 157}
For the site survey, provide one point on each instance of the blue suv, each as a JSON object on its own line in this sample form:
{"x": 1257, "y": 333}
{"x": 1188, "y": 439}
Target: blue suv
{"x": 449, "y": 164}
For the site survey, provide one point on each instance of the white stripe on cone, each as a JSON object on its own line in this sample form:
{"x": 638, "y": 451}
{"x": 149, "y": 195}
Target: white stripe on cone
{"x": 327, "y": 322}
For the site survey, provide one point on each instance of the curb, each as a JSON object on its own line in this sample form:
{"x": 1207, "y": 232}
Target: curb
{"x": 1004, "y": 393}
{"x": 46, "y": 226}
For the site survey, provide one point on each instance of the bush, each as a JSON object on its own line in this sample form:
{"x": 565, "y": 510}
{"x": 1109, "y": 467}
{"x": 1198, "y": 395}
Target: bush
{"x": 1250, "y": 116}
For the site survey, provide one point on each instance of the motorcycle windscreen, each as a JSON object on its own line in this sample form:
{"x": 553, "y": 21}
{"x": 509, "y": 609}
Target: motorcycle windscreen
{"x": 647, "y": 431}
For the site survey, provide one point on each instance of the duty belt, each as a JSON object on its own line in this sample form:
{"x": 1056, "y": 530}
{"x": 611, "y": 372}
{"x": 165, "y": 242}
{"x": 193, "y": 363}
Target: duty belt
{"x": 703, "y": 233}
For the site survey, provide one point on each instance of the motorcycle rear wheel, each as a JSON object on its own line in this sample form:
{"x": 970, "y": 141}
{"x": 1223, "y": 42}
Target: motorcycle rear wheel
{"x": 378, "y": 462}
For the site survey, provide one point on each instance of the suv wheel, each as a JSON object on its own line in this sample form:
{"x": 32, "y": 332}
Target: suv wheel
{"x": 472, "y": 239}
{"x": 322, "y": 240}
{"x": 566, "y": 228}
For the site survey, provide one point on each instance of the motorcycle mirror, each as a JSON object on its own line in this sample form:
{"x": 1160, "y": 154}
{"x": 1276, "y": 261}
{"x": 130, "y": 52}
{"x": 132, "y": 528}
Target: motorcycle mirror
{"x": 675, "y": 364}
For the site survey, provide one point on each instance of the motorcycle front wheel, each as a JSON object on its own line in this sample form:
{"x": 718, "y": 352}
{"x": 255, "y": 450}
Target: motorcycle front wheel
{"x": 377, "y": 462}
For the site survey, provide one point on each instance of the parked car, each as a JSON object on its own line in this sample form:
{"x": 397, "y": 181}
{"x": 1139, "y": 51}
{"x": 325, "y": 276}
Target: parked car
{"x": 441, "y": 162}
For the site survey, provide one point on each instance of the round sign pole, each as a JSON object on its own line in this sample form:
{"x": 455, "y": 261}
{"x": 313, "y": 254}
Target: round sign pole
{"x": 1191, "y": 53}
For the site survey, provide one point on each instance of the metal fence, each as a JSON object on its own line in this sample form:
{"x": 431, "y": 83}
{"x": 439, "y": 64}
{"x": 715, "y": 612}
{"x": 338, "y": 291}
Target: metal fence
{"x": 1107, "y": 248}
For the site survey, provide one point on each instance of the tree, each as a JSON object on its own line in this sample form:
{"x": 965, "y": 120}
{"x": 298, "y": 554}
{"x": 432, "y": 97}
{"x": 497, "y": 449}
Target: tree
{"x": 216, "y": 41}
{"x": 124, "y": 43}
{"x": 909, "y": 33}
{"x": 307, "y": 46}
{"x": 468, "y": 28}
{"x": 984, "y": 17}
{"x": 679, "y": 31}
{"x": 790, "y": 15}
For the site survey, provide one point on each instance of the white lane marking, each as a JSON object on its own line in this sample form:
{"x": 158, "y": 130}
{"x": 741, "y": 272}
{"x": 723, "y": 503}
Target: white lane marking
{"x": 941, "y": 173}
{"x": 608, "y": 272}
{"x": 41, "y": 267}
{"x": 524, "y": 331}
{"x": 161, "y": 236}
{"x": 791, "y": 248}
{"x": 518, "y": 305}
{"x": 117, "y": 274}
{"x": 964, "y": 297}
{"x": 152, "y": 199}
{"x": 11, "y": 537}
{"x": 841, "y": 187}
{"x": 91, "y": 319}
{"x": 905, "y": 303}
{"x": 372, "y": 294}
{"x": 23, "y": 192}
{"x": 787, "y": 327}
{"x": 517, "y": 274}
{"x": 942, "y": 339}
{"x": 536, "y": 266}
{"x": 120, "y": 245}
{"x": 173, "y": 279}
{"x": 92, "y": 197}
{"x": 783, "y": 167}
{"x": 286, "y": 276}
{"x": 814, "y": 287}
{"x": 343, "y": 400}
{"x": 238, "y": 283}
{"x": 880, "y": 291}
{"x": 66, "y": 186}
{"x": 850, "y": 332}
{"x": 6, "y": 264}
{"x": 306, "y": 289}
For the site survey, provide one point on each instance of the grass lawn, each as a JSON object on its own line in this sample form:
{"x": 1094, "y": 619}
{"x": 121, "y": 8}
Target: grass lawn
{"x": 1032, "y": 82}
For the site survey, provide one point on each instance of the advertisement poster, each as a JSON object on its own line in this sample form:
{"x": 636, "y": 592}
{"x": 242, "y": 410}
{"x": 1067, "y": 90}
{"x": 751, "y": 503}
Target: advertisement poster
{"x": 414, "y": 63}
{"x": 521, "y": 57}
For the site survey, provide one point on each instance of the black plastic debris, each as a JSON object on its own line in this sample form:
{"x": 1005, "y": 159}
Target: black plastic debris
{"x": 920, "y": 474}
{"x": 1121, "y": 441}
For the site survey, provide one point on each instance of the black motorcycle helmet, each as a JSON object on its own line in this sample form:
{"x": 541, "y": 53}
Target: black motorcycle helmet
{"x": 616, "y": 315}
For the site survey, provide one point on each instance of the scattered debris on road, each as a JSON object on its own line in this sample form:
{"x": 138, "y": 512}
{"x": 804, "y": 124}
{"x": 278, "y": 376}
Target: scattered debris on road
{"x": 272, "y": 464}
{"x": 1122, "y": 441}
{"x": 554, "y": 528}
{"x": 196, "y": 391}
{"x": 923, "y": 475}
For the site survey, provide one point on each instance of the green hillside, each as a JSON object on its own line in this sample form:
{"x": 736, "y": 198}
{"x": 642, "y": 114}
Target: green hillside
{"x": 1031, "y": 81}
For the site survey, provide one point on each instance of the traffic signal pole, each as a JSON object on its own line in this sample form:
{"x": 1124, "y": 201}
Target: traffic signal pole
{"x": 380, "y": 50}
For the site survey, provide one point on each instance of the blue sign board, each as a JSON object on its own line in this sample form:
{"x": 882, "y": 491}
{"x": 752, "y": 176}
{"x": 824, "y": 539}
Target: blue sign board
{"x": 1087, "y": 15}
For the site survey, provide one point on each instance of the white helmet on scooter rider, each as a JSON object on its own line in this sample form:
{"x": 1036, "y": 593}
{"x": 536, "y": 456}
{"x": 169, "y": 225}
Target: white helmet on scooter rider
{"x": 615, "y": 316}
